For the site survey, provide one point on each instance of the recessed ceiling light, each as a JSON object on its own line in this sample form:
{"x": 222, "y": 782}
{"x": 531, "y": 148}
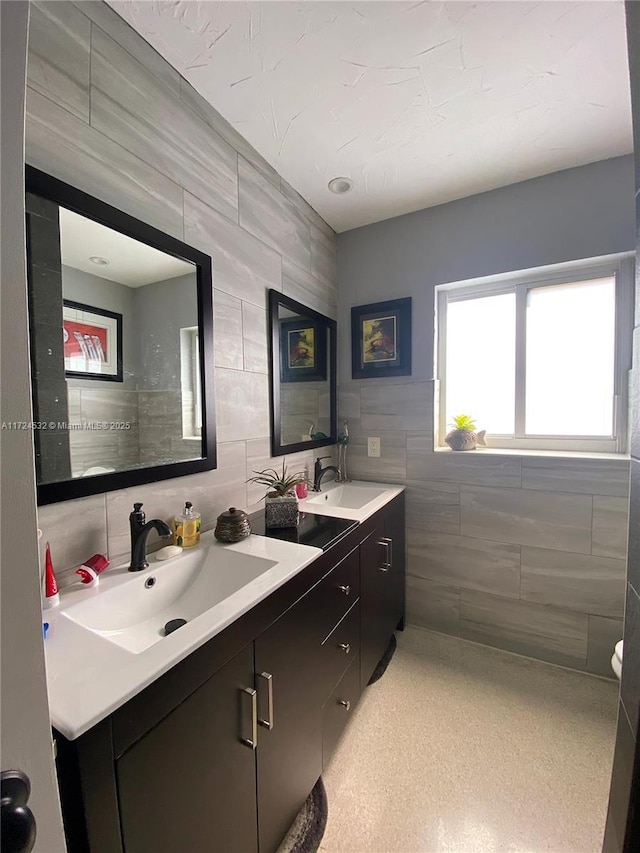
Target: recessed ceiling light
{"x": 340, "y": 185}
{"x": 101, "y": 262}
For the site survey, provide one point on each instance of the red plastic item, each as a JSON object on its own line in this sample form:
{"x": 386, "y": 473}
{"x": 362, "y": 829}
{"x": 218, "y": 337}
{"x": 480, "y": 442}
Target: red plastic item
{"x": 50, "y": 585}
{"x": 92, "y": 567}
{"x": 301, "y": 490}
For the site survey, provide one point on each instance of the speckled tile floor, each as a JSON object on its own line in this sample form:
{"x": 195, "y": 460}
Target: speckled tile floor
{"x": 466, "y": 749}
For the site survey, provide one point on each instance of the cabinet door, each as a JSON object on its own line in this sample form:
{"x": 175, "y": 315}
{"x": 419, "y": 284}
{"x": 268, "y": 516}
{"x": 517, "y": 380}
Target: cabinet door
{"x": 289, "y": 754}
{"x": 190, "y": 783}
{"x": 382, "y": 580}
{"x": 374, "y": 609}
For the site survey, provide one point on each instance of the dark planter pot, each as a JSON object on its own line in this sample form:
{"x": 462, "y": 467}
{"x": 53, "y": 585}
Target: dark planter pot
{"x": 281, "y": 512}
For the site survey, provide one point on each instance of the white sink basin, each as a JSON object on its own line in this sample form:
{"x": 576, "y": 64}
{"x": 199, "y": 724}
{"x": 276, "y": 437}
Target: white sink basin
{"x": 349, "y": 496}
{"x": 357, "y": 500}
{"x": 134, "y": 614}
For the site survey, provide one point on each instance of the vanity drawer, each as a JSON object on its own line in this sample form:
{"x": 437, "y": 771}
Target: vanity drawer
{"x": 338, "y": 709}
{"x": 337, "y": 592}
{"x": 341, "y": 647}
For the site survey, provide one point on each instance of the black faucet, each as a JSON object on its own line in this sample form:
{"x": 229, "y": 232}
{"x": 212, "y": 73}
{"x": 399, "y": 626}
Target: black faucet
{"x": 139, "y": 531}
{"x": 319, "y": 472}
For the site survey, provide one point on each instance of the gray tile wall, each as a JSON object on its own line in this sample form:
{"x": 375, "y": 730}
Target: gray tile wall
{"x": 108, "y": 115}
{"x": 523, "y": 553}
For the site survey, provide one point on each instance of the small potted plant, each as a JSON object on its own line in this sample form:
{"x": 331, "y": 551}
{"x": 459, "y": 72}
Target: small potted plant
{"x": 280, "y": 501}
{"x": 464, "y": 436}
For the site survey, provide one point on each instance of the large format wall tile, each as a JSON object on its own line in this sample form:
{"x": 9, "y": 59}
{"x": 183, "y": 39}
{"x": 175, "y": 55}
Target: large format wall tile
{"x": 58, "y": 66}
{"x": 265, "y": 212}
{"x": 130, "y": 107}
{"x": 432, "y": 505}
{"x": 299, "y": 284}
{"x": 75, "y": 529}
{"x": 211, "y": 493}
{"x": 545, "y": 519}
{"x": 469, "y": 468}
{"x": 221, "y": 126}
{"x": 227, "y": 330}
{"x": 575, "y": 581}
{"x": 389, "y": 467}
{"x": 242, "y": 404}
{"x": 610, "y": 523}
{"x": 62, "y": 145}
{"x": 459, "y": 561}
{"x": 243, "y": 266}
{"x": 432, "y": 605}
{"x": 305, "y": 208}
{"x": 549, "y": 633}
{"x": 405, "y": 406}
{"x": 604, "y": 633}
{"x": 583, "y": 476}
{"x": 113, "y": 25}
{"x": 324, "y": 262}
{"x": 254, "y": 333}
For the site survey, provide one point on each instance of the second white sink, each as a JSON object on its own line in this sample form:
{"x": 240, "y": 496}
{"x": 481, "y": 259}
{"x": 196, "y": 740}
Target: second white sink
{"x": 349, "y": 496}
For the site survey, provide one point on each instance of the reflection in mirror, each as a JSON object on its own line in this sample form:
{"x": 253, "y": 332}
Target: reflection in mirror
{"x": 303, "y": 376}
{"x": 116, "y": 351}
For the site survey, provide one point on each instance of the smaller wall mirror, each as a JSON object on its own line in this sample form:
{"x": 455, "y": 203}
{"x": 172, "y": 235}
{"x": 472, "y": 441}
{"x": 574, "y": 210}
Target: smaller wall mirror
{"x": 121, "y": 346}
{"x": 303, "y": 376}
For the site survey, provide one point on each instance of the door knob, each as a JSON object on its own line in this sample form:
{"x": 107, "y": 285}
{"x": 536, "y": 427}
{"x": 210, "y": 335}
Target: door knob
{"x": 18, "y": 823}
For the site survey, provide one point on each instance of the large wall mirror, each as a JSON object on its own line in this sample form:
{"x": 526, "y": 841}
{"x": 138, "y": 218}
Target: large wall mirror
{"x": 303, "y": 376}
{"x": 121, "y": 333}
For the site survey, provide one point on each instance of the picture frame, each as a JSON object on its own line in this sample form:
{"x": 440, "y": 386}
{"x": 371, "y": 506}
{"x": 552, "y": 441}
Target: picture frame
{"x": 303, "y": 350}
{"x": 381, "y": 339}
{"x": 92, "y": 340}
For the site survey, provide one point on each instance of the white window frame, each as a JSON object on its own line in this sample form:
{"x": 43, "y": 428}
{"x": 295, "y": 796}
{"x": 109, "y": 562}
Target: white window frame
{"x": 621, "y": 267}
{"x": 191, "y": 383}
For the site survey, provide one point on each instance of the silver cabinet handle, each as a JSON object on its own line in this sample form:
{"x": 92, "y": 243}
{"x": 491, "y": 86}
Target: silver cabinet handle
{"x": 346, "y": 647}
{"x": 267, "y": 721}
{"x": 345, "y": 588}
{"x": 345, "y": 704}
{"x": 251, "y": 742}
{"x": 388, "y": 545}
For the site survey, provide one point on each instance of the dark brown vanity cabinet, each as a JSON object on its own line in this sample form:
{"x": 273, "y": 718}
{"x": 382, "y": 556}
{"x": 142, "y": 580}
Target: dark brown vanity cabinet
{"x": 220, "y": 752}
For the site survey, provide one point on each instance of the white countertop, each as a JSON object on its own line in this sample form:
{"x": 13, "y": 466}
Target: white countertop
{"x": 88, "y": 676}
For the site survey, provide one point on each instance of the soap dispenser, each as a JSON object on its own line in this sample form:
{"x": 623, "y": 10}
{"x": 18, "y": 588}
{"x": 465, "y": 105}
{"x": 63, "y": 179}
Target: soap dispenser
{"x": 186, "y": 527}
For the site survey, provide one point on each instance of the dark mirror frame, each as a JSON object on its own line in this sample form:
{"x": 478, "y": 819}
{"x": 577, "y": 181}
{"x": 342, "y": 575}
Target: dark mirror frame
{"x": 41, "y": 184}
{"x": 276, "y": 298}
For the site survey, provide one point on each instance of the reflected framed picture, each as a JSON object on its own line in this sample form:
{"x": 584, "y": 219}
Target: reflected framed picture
{"x": 303, "y": 350}
{"x": 381, "y": 339}
{"x": 92, "y": 340}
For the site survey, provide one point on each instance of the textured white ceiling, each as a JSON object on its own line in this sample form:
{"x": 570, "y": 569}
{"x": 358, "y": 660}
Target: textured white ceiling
{"x": 418, "y": 102}
{"x": 130, "y": 262}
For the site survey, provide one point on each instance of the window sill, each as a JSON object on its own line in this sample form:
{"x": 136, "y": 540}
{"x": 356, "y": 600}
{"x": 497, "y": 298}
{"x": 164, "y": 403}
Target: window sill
{"x": 541, "y": 454}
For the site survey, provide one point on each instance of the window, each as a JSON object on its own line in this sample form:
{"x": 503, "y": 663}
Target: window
{"x": 540, "y": 359}
{"x": 190, "y": 383}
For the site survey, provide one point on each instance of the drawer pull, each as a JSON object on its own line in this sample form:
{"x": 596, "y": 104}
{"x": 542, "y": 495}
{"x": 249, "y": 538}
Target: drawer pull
{"x": 345, "y": 588}
{"x": 251, "y": 742}
{"x": 387, "y": 543}
{"x": 346, "y": 647}
{"x": 345, "y": 704}
{"x": 267, "y": 722}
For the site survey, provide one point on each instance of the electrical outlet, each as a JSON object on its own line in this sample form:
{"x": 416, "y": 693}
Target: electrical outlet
{"x": 373, "y": 447}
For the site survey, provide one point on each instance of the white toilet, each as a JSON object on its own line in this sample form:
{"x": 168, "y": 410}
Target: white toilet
{"x": 616, "y": 660}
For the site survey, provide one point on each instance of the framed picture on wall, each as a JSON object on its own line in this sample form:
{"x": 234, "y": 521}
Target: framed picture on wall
{"x": 92, "y": 339}
{"x": 303, "y": 350}
{"x": 381, "y": 339}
